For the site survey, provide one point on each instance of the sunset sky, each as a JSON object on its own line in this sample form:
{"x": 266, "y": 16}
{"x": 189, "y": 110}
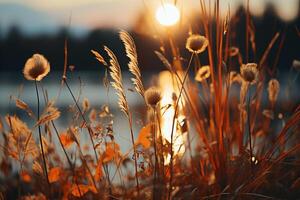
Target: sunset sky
{"x": 33, "y": 16}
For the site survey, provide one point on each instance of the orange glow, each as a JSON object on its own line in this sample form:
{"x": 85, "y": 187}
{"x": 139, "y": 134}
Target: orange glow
{"x": 169, "y": 86}
{"x": 167, "y": 14}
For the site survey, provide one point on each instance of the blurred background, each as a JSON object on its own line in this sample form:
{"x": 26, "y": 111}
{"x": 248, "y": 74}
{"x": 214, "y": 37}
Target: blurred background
{"x": 34, "y": 26}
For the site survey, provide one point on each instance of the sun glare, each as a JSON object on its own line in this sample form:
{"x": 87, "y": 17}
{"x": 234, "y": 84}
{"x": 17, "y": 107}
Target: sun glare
{"x": 167, "y": 14}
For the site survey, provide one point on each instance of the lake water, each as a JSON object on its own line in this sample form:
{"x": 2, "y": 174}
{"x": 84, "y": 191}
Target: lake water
{"x": 92, "y": 88}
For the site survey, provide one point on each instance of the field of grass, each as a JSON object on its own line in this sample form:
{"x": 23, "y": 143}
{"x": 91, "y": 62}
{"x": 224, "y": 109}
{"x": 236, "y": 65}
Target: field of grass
{"x": 210, "y": 131}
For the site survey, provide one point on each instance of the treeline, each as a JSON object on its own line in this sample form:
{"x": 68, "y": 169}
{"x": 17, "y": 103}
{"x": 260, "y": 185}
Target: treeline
{"x": 15, "y": 47}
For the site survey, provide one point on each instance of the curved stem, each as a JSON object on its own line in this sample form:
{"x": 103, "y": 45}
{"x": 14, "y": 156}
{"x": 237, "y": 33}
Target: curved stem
{"x": 134, "y": 152}
{"x": 85, "y": 121}
{"x": 249, "y": 127}
{"x": 40, "y": 136}
{"x": 155, "y": 153}
{"x": 173, "y": 122}
{"x": 68, "y": 159}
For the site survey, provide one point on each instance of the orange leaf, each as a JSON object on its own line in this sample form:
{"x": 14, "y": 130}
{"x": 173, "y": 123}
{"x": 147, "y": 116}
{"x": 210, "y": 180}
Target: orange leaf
{"x": 66, "y": 140}
{"x": 54, "y": 174}
{"x": 25, "y": 176}
{"x": 98, "y": 172}
{"x": 144, "y": 136}
{"x": 111, "y": 152}
{"x": 80, "y": 190}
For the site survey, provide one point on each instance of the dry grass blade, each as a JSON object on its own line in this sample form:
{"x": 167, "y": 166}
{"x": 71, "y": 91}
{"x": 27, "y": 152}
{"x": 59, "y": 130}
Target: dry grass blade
{"x": 266, "y": 53}
{"x": 164, "y": 60}
{"x": 24, "y": 106}
{"x": 116, "y": 75}
{"x": 133, "y": 63}
{"x": 99, "y": 57}
{"x": 51, "y": 113}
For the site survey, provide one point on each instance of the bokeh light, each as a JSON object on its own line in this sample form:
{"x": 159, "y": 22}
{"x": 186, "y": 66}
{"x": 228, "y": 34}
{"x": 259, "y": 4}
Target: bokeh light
{"x": 167, "y": 14}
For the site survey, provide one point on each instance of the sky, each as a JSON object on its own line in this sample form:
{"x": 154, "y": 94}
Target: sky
{"x": 32, "y": 16}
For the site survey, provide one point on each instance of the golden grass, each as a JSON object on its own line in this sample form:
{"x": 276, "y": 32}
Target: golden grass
{"x": 237, "y": 146}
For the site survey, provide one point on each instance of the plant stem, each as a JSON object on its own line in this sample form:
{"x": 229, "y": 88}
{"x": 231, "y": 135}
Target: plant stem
{"x": 68, "y": 158}
{"x": 161, "y": 156}
{"x": 249, "y": 127}
{"x": 40, "y": 137}
{"x": 134, "y": 152}
{"x": 173, "y": 122}
{"x": 155, "y": 153}
{"x": 90, "y": 131}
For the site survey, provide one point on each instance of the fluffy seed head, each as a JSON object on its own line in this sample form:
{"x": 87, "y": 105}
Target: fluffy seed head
{"x": 249, "y": 72}
{"x": 36, "y": 67}
{"x": 196, "y": 43}
{"x": 273, "y": 90}
{"x": 202, "y": 73}
{"x": 152, "y": 96}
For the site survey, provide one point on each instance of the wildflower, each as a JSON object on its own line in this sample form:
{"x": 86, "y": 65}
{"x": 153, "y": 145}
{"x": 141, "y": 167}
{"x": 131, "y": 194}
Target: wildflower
{"x": 296, "y": 64}
{"x": 196, "y": 43}
{"x": 36, "y": 67}
{"x": 273, "y": 90}
{"x": 202, "y": 73}
{"x": 152, "y": 96}
{"x": 249, "y": 72}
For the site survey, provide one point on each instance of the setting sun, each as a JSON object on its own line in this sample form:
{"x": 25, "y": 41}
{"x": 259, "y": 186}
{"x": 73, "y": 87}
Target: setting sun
{"x": 167, "y": 14}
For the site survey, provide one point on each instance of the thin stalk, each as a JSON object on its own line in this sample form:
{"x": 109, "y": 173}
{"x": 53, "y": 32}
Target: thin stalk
{"x": 64, "y": 150}
{"x": 84, "y": 162}
{"x": 85, "y": 121}
{"x": 106, "y": 171}
{"x": 68, "y": 158}
{"x": 173, "y": 122}
{"x": 249, "y": 126}
{"x": 40, "y": 137}
{"x": 247, "y": 31}
{"x": 155, "y": 153}
{"x": 134, "y": 152}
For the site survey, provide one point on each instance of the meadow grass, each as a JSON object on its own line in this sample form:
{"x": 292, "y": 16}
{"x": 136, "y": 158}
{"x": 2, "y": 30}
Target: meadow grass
{"x": 200, "y": 141}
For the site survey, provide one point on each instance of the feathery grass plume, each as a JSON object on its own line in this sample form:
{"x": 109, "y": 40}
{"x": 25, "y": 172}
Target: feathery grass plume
{"x": 50, "y": 113}
{"x": 18, "y": 127}
{"x": 203, "y": 73}
{"x": 99, "y": 57}
{"x": 36, "y": 67}
{"x": 21, "y": 142}
{"x": 273, "y": 90}
{"x": 196, "y": 43}
{"x": 152, "y": 96}
{"x": 249, "y": 72}
{"x": 24, "y": 106}
{"x": 133, "y": 63}
{"x": 116, "y": 75}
